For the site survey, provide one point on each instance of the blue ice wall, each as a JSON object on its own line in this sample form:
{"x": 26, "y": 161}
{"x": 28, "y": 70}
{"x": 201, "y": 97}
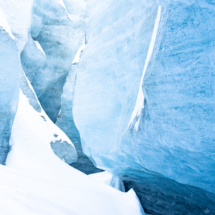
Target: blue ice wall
{"x": 60, "y": 39}
{"x": 65, "y": 119}
{"x": 144, "y": 96}
{"x": 77, "y": 12}
{"x": 9, "y": 85}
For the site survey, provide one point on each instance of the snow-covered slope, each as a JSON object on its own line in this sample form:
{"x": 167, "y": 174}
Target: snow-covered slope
{"x": 35, "y": 181}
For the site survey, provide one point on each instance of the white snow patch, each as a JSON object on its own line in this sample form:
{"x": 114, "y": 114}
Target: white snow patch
{"x": 109, "y": 179}
{"x": 77, "y": 58}
{"x": 62, "y": 3}
{"x": 39, "y": 47}
{"x": 4, "y": 24}
{"x": 140, "y": 98}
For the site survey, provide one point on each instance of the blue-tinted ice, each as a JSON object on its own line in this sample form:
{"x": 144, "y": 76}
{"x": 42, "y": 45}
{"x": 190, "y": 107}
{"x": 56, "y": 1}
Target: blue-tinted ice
{"x": 162, "y": 120}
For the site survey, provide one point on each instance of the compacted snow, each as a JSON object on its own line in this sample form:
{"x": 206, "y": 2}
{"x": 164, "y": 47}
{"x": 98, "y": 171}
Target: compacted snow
{"x": 109, "y": 179}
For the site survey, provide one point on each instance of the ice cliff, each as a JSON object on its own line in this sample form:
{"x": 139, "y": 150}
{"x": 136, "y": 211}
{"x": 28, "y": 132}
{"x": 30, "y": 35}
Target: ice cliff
{"x": 131, "y": 83}
{"x": 39, "y": 48}
{"x": 144, "y": 95}
{"x": 59, "y": 38}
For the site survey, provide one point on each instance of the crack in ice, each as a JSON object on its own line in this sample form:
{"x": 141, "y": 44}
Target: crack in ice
{"x": 140, "y": 98}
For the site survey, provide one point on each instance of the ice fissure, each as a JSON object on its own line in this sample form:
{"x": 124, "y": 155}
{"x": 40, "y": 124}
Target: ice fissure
{"x": 140, "y": 98}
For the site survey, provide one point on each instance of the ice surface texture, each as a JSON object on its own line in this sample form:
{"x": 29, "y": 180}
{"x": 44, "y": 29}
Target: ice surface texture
{"x": 9, "y": 84}
{"x": 18, "y": 14}
{"x": 162, "y": 120}
{"x": 58, "y": 39}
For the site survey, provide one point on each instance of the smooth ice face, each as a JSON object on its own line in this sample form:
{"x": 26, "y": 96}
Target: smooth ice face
{"x": 65, "y": 119}
{"x": 9, "y": 84}
{"x": 59, "y": 38}
{"x": 144, "y": 96}
{"x": 107, "y": 83}
{"x": 110, "y": 72}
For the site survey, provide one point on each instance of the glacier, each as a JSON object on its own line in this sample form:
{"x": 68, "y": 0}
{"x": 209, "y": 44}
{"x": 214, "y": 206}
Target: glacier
{"x": 123, "y": 90}
{"x": 144, "y": 95}
{"x": 9, "y": 84}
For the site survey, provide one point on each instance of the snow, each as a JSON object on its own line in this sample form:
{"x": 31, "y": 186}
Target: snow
{"x": 62, "y": 3}
{"x": 77, "y": 58}
{"x": 39, "y": 47}
{"x": 109, "y": 179}
{"x": 60, "y": 143}
{"x": 35, "y": 181}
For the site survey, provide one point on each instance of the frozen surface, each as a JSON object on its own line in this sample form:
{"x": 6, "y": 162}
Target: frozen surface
{"x": 35, "y": 181}
{"x": 49, "y": 132}
{"x": 4, "y": 24}
{"x": 32, "y": 58}
{"x": 18, "y": 14}
{"x": 109, "y": 179}
{"x": 144, "y": 95}
{"x": 9, "y": 84}
{"x": 162, "y": 196}
{"x": 59, "y": 38}
{"x": 65, "y": 119}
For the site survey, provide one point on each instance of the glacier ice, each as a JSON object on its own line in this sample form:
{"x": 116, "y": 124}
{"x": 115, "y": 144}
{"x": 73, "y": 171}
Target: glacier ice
{"x": 160, "y": 195}
{"x": 65, "y": 118}
{"x": 9, "y": 84}
{"x": 32, "y": 58}
{"x": 141, "y": 95}
{"x": 58, "y": 38}
{"x": 169, "y": 127}
{"x": 109, "y": 74}
{"x": 35, "y": 181}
